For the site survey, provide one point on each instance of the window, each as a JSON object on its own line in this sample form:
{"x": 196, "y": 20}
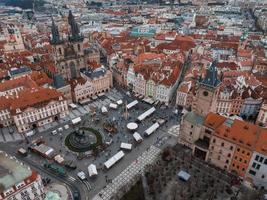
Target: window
{"x": 205, "y": 93}
{"x": 207, "y": 131}
{"x": 252, "y": 172}
{"x": 257, "y": 158}
{"x": 192, "y": 126}
{"x": 227, "y": 161}
{"x": 265, "y": 161}
{"x": 233, "y": 164}
{"x": 222, "y": 144}
{"x": 229, "y": 155}
{"x": 238, "y": 149}
{"x": 214, "y": 140}
{"x": 258, "y": 166}
{"x": 231, "y": 147}
{"x": 261, "y": 159}
{"x": 262, "y": 176}
{"x": 248, "y": 154}
{"x": 254, "y": 165}
{"x": 240, "y": 159}
{"x": 243, "y": 152}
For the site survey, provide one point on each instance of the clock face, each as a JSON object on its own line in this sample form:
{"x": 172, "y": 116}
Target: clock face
{"x": 205, "y": 93}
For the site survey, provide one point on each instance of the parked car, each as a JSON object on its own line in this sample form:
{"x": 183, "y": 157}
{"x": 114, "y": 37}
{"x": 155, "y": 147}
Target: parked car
{"x": 76, "y": 195}
{"x": 60, "y": 129}
{"x": 54, "y": 132}
{"x": 81, "y": 175}
{"x": 66, "y": 126}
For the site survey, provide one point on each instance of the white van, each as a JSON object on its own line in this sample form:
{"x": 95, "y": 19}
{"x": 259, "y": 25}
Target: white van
{"x": 54, "y": 132}
{"x": 60, "y": 129}
{"x": 66, "y": 126}
{"x": 81, "y": 175}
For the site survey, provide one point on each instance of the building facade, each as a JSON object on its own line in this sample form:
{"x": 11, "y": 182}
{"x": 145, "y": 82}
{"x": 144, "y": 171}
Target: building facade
{"x": 19, "y": 181}
{"x": 91, "y": 83}
{"x": 33, "y": 108}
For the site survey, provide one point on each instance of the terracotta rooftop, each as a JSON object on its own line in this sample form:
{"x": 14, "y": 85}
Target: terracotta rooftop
{"x": 214, "y": 120}
{"x": 34, "y": 98}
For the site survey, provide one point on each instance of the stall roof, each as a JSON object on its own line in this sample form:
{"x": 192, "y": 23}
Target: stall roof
{"x": 72, "y": 105}
{"x": 137, "y": 136}
{"x": 113, "y": 105}
{"x": 152, "y": 128}
{"x": 126, "y": 146}
{"x": 146, "y": 114}
{"x": 132, "y": 104}
{"x": 110, "y": 162}
{"x": 119, "y": 102}
{"x": 104, "y": 109}
{"x": 92, "y": 170}
{"x": 76, "y": 120}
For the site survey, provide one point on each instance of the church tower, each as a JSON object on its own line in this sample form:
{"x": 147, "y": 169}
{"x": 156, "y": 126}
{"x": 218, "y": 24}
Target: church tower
{"x": 206, "y": 91}
{"x": 68, "y": 52}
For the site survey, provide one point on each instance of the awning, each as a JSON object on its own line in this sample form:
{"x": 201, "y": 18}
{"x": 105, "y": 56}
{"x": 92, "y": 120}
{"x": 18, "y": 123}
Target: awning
{"x": 76, "y": 120}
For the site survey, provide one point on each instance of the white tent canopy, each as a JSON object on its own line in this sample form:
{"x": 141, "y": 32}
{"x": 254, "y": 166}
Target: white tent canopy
{"x": 137, "y": 137}
{"x": 72, "y": 105}
{"x": 104, "y": 109}
{"x": 113, "y": 105}
{"x": 126, "y": 146}
{"x": 110, "y": 162}
{"x": 132, "y": 104}
{"x": 92, "y": 170}
{"x": 146, "y": 114}
{"x": 119, "y": 102}
{"x": 151, "y": 129}
{"x": 76, "y": 120}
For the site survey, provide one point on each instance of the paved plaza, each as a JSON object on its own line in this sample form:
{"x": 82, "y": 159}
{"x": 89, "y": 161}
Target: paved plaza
{"x": 125, "y": 177}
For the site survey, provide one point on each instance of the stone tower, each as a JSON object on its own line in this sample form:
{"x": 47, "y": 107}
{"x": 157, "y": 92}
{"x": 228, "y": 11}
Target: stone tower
{"x": 206, "y": 91}
{"x": 68, "y": 52}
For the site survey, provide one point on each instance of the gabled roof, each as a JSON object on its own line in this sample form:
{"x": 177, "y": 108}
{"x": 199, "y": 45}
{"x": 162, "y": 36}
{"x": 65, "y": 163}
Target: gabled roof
{"x": 213, "y": 120}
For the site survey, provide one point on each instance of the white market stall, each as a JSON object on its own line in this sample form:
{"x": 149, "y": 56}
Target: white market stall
{"x": 138, "y": 138}
{"x": 110, "y": 162}
{"x": 113, "y": 105}
{"x": 132, "y": 104}
{"x": 119, "y": 102}
{"x": 152, "y": 129}
{"x": 132, "y": 126}
{"x": 126, "y": 146}
{"x": 76, "y": 120}
{"x": 146, "y": 114}
{"x": 104, "y": 109}
{"x": 92, "y": 170}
